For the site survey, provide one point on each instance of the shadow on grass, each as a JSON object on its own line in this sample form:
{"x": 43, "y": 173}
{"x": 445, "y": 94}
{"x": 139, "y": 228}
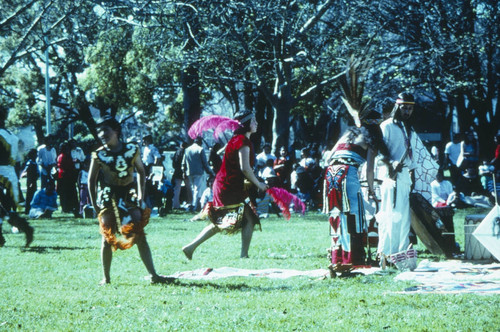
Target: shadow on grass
{"x": 242, "y": 287}
{"x": 50, "y": 249}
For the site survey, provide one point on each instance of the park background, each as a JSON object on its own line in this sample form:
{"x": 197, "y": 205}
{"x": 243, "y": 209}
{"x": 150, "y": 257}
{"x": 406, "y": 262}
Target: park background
{"x": 163, "y": 64}
{"x": 160, "y": 65}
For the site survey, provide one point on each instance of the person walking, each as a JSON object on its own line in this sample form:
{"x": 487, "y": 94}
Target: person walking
{"x": 31, "y": 173}
{"x": 195, "y": 165}
{"x": 46, "y": 160}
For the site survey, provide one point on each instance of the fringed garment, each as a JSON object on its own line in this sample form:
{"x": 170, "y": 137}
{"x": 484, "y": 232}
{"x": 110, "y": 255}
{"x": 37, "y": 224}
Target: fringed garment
{"x": 118, "y": 196}
{"x": 342, "y": 195}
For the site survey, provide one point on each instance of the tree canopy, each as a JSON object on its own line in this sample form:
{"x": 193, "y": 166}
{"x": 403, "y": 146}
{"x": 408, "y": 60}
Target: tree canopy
{"x": 165, "y": 63}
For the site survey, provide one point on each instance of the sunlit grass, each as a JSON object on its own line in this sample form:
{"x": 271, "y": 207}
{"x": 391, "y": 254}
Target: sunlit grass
{"x": 53, "y": 286}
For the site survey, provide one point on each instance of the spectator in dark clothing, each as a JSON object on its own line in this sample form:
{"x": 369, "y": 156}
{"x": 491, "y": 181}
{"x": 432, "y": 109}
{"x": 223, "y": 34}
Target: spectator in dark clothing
{"x": 178, "y": 175}
{"x": 31, "y": 173}
{"x": 214, "y": 159}
{"x": 470, "y": 183}
{"x": 67, "y": 177}
{"x": 283, "y": 168}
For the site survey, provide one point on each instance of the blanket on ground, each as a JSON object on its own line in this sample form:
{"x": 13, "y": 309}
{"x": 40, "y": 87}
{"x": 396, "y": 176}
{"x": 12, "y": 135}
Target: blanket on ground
{"x": 453, "y": 276}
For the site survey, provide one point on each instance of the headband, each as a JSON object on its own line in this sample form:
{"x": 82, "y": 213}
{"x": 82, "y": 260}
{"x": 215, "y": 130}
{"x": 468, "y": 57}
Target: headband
{"x": 401, "y": 101}
{"x": 246, "y": 118}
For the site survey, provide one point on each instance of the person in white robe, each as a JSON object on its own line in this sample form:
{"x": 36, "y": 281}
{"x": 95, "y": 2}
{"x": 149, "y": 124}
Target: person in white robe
{"x": 394, "y": 214}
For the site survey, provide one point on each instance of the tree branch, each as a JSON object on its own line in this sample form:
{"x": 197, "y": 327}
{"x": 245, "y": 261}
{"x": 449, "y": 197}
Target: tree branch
{"x": 12, "y": 58}
{"x": 14, "y": 15}
{"x": 321, "y": 84}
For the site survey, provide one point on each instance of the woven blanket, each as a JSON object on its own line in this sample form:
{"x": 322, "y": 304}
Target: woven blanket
{"x": 450, "y": 277}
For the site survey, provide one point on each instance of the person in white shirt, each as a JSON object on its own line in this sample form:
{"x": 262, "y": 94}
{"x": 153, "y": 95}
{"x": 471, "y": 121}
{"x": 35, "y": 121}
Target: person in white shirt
{"x": 77, "y": 154}
{"x": 306, "y": 161}
{"x": 400, "y": 139}
{"x": 451, "y": 154}
{"x": 46, "y": 159}
{"x": 262, "y": 158}
{"x": 150, "y": 154}
{"x": 268, "y": 170}
{"x": 441, "y": 190}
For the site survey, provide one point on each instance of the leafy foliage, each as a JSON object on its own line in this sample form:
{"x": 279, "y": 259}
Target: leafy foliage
{"x": 282, "y": 55}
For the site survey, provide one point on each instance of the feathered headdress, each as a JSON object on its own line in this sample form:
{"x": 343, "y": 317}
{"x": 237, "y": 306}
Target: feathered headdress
{"x": 283, "y": 199}
{"x": 218, "y": 123}
{"x": 352, "y": 86}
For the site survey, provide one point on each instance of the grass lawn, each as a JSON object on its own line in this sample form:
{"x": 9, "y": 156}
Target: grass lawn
{"x": 53, "y": 285}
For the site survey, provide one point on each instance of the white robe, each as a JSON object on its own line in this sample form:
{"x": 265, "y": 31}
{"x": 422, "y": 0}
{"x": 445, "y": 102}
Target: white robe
{"x": 394, "y": 217}
{"x": 394, "y": 220}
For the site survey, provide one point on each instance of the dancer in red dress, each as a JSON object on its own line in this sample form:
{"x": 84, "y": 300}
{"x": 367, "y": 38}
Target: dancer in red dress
{"x": 231, "y": 211}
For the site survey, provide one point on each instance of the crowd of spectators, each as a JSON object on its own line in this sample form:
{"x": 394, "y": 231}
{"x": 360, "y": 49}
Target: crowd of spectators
{"x": 471, "y": 181}
{"x": 179, "y": 183}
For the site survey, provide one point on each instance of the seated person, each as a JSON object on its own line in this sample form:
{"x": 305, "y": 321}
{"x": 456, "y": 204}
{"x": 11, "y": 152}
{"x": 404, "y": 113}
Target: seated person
{"x": 267, "y": 171}
{"x": 441, "y": 190}
{"x": 470, "y": 183}
{"x": 486, "y": 172}
{"x": 302, "y": 182}
{"x": 44, "y": 202}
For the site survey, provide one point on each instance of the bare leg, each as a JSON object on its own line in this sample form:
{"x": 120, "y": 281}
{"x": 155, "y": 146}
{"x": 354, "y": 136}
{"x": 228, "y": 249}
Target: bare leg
{"x": 145, "y": 253}
{"x": 246, "y": 233}
{"x": 204, "y": 235}
{"x": 106, "y": 257}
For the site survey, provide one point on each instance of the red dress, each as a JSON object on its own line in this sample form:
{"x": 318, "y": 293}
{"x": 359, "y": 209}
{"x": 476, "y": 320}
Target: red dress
{"x": 228, "y": 186}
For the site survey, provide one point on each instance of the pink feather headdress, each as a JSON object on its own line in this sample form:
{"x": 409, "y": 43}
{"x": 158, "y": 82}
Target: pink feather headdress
{"x": 218, "y": 123}
{"x": 283, "y": 199}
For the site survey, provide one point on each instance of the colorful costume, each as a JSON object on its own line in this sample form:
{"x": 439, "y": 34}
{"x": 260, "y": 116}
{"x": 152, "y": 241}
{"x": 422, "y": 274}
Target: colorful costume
{"x": 345, "y": 204}
{"x": 229, "y": 192}
{"x": 118, "y": 194}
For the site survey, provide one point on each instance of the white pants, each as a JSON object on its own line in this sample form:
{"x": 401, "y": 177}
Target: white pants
{"x": 394, "y": 216}
{"x": 197, "y": 187}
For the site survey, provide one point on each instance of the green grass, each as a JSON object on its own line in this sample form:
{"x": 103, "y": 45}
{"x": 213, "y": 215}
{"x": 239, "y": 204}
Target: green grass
{"x": 53, "y": 286}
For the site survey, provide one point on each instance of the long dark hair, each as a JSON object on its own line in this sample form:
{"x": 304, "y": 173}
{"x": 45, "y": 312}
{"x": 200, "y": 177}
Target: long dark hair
{"x": 371, "y": 123}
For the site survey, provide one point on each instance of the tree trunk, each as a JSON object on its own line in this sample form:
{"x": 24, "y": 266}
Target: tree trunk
{"x": 191, "y": 96}
{"x": 281, "y": 124}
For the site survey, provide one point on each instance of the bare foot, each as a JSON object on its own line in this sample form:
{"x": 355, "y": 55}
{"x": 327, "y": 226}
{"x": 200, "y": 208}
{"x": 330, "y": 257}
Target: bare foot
{"x": 104, "y": 282}
{"x": 187, "y": 252}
